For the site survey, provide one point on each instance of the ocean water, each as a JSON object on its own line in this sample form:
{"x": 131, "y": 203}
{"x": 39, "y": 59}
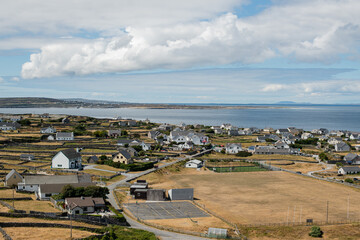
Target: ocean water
{"x": 306, "y": 117}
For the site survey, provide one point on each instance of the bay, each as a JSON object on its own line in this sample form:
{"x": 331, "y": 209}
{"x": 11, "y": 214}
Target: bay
{"x": 334, "y": 117}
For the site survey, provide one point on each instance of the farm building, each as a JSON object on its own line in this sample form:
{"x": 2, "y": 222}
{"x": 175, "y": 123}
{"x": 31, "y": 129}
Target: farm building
{"x": 140, "y": 193}
{"x": 138, "y": 185}
{"x": 13, "y": 178}
{"x": 155, "y": 195}
{"x": 92, "y": 159}
{"x": 349, "y": 170}
{"x": 69, "y": 159}
{"x": 194, "y": 164}
{"x": 181, "y": 194}
{"x": 114, "y": 133}
{"x": 48, "y": 130}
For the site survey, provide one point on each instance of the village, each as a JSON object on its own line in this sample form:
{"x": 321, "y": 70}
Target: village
{"x": 86, "y": 174}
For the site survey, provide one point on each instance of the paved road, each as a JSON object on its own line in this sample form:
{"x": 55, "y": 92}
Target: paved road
{"x": 165, "y": 235}
{"x": 99, "y": 169}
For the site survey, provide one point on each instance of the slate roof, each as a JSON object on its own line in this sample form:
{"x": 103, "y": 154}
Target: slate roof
{"x": 71, "y": 153}
{"x": 55, "y": 179}
{"x": 56, "y": 188}
{"x": 84, "y": 202}
{"x": 64, "y": 134}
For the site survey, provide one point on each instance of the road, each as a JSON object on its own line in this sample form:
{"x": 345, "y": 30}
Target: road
{"x": 165, "y": 235}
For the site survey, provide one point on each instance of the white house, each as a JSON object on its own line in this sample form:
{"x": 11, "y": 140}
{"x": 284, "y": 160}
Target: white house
{"x": 45, "y": 191}
{"x": 233, "y": 148}
{"x": 342, "y": 147}
{"x": 185, "y": 136}
{"x": 349, "y": 170}
{"x": 81, "y": 205}
{"x": 48, "y": 130}
{"x": 145, "y": 146}
{"x": 69, "y": 159}
{"x": 305, "y": 136}
{"x": 194, "y": 164}
{"x": 5, "y": 126}
{"x": 334, "y": 141}
{"x": 64, "y": 136}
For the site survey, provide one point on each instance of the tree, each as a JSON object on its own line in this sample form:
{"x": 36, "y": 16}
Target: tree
{"x": 323, "y": 156}
{"x": 316, "y": 232}
{"x": 99, "y": 133}
{"x": 243, "y": 154}
{"x": 349, "y": 180}
{"x": 124, "y": 133}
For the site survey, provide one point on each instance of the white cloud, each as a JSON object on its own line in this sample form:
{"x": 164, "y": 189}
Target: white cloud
{"x": 309, "y": 31}
{"x": 274, "y": 87}
{"x": 1, "y": 79}
{"x": 15, "y": 79}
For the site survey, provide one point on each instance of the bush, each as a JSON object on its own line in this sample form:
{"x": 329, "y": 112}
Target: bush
{"x": 349, "y": 180}
{"x": 323, "y": 156}
{"x": 99, "y": 134}
{"x": 243, "y": 154}
{"x": 316, "y": 232}
{"x": 309, "y": 141}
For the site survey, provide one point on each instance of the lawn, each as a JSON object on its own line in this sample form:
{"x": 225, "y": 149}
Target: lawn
{"x": 263, "y": 197}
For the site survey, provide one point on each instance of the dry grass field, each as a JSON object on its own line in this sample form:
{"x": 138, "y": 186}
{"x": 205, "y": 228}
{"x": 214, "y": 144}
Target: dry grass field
{"x": 29, "y": 233}
{"x": 298, "y": 166}
{"x": 263, "y": 197}
{"x": 34, "y": 205}
{"x": 98, "y": 172}
{"x": 258, "y": 156}
{"x": 8, "y": 193}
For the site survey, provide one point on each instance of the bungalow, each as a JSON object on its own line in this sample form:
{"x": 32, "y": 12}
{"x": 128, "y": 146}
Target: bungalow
{"x": 64, "y": 136}
{"x": 186, "y": 146}
{"x": 335, "y": 140}
{"x": 68, "y": 159}
{"x": 184, "y": 136}
{"x": 219, "y": 131}
{"x": 355, "y": 136}
{"x": 233, "y": 148}
{"x": 194, "y": 164}
{"x": 271, "y": 150}
{"x": 114, "y": 133}
{"x": 5, "y": 126}
{"x": 48, "y": 130}
{"x": 282, "y": 131}
{"x": 45, "y": 191}
{"x": 342, "y": 147}
{"x": 281, "y": 145}
{"x": 165, "y": 127}
{"x": 122, "y": 156}
{"x": 349, "y": 170}
{"x": 30, "y": 183}
{"x": 13, "y": 178}
{"x": 233, "y": 133}
{"x": 27, "y": 157}
{"x": 81, "y": 205}
{"x": 268, "y": 130}
{"x": 123, "y": 142}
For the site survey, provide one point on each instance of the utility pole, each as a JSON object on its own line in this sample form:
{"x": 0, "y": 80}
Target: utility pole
{"x": 294, "y": 214}
{"x": 70, "y": 226}
{"x": 287, "y": 215}
{"x": 327, "y": 211}
{"x": 300, "y": 215}
{"x": 348, "y": 208}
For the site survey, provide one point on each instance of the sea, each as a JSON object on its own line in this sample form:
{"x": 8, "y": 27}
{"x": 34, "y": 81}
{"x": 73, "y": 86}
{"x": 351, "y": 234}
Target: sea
{"x": 307, "y": 117}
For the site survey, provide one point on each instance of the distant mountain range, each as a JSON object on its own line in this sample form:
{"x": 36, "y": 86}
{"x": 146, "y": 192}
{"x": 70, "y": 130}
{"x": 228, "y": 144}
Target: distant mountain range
{"x": 34, "y": 102}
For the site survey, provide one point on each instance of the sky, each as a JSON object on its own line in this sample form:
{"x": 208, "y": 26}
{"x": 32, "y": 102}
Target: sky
{"x": 198, "y": 51}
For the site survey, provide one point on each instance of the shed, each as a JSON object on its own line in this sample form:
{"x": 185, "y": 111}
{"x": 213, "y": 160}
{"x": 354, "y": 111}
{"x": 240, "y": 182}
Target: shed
{"x": 181, "y": 194}
{"x": 155, "y": 195}
{"x": 140, "y": 193}
{"x": 13, "y": 178}
{"x": 135, "y": 186}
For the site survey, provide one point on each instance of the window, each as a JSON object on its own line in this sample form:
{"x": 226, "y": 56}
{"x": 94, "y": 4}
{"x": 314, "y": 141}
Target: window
{"x": 59, "y": 165}
{"x": 14, "y": 176}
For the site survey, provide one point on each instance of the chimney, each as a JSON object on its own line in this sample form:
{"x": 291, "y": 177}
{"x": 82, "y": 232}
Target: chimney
{"x": 82, "y": 197}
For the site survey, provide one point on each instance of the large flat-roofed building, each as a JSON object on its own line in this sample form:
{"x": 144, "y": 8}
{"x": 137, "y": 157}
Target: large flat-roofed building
{"x": 181, "y": 194}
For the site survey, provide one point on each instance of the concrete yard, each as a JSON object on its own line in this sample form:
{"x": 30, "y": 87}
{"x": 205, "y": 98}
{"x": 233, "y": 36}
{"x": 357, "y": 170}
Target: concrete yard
{"x": 165, "y": 210}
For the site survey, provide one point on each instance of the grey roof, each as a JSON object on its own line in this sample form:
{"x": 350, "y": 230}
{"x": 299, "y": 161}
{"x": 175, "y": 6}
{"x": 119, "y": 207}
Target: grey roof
{"x": 64, "y": 134}
{"x": 124, "y": 141}
{"x": 56, "y": 188}
{"x": 12, "y": 172}
{"x": 350, "y": 156}
{"x": 351, "y": 169}
{"x": 114, "y": 132}
{"x": 26, "y": 155}
{"x": 125, "y": 153}
{"x": 71, "y": 153}
{"x": 53, "y": 179}
{"x": 84, "y": 202}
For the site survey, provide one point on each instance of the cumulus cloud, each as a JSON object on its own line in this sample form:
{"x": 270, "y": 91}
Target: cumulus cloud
{"x": 15, "y": 79}
{"x": 1, "y": 79}
{"x": 307, "y": 31}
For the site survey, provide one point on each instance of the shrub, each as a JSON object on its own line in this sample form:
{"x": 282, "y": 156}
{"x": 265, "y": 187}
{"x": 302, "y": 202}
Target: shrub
{"x": 323, "y": 156}
{"x": 316, "y": 232}
{"x": 243, "y": 154}
{"x": 349, "y": 180}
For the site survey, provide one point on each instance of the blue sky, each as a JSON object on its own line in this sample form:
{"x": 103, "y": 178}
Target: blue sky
{"x": 229, "y": 51}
